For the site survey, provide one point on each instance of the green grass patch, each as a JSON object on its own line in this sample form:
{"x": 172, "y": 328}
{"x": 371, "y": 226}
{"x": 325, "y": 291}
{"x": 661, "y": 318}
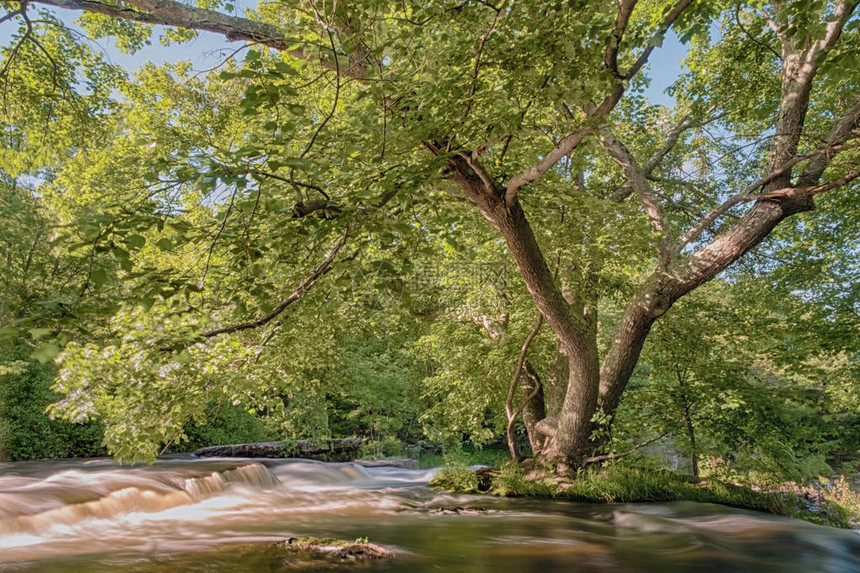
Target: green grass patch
{"x": 634, "y": 485}
{"x": 464, "y": 457}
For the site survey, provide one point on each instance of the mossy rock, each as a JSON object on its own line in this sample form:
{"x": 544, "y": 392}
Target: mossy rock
{"x": 459, "y": 510}
{"x": 337, "y": 550}
{"x": 465, "y": 480}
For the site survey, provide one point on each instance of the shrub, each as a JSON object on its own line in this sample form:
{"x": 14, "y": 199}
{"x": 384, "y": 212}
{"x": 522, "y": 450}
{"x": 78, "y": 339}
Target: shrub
{"x": 840, "y": 500}
{"x": 27, "y": 432}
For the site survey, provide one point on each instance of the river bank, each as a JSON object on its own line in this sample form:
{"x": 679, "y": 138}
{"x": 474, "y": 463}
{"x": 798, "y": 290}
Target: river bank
{"x": 828, "y": 502}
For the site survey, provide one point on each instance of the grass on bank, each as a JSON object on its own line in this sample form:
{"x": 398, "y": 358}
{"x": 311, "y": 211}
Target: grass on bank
{"x": 836, "y": 506}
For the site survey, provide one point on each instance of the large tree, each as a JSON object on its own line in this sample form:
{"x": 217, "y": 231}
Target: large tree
{"x": 525, "y": 110}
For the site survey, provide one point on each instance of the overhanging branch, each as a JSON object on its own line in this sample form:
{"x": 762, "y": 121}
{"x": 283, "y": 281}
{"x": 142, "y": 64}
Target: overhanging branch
{"x": 594, "y": 113}
{"x": 297, "y": 294}
{"x": 657, "y": 38}
{"x": 179, "y": 15}
{"x": 528, "y": 176}
{"x": 819, "y": 159}
{"x": 610, "y": 57}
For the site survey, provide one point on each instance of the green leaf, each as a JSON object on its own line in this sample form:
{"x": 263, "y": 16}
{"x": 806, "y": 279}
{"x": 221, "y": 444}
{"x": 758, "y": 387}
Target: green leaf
{"x": 90, "y": 232}
{"x": 38, "y": 333}
{"x": 98, "y": 278}
{"x": 8, "y": 332}
{"x": 294, "y": 162}
{"x": 184, "y": 357}
{"x": 45, "y": 353}
{"x": 136, "y": 241}
{"x": 120, "y": 254}
{"x": 286, "y": 68}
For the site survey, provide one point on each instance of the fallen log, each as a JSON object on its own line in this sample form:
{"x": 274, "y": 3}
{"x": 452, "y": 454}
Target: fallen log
{"x": 337, "y": 450}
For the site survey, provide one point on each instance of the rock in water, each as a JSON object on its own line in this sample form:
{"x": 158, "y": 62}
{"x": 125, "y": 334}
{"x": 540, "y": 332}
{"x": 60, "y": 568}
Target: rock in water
{"x": 336, "y": 549}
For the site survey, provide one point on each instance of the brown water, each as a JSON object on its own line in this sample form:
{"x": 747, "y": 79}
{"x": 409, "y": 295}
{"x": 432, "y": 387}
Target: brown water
{"x": 184, "y": 514}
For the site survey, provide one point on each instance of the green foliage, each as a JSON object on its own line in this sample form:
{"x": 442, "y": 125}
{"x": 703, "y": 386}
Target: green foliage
{"x": 512, "y": 482}
{"x": 224, "y": 424}
{"x": 720, "y": 364}
{"x": 26, "y": 431}
{"x": 457, "y": 473}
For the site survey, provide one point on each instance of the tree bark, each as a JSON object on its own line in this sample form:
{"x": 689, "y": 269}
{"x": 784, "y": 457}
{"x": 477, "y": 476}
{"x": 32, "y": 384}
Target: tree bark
{"x": 556, "y": 385}
{"x": 535, "y": 408}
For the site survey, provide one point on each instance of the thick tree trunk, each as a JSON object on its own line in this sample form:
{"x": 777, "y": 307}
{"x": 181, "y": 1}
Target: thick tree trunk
{"x": 571, "y": 445}
{"x": 555, "y": 387}
{"x": 590, "y": 385}
{"x": 577, "y": 340}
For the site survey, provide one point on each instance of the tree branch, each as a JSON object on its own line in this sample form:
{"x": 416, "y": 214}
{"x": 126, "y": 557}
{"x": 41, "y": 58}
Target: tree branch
{"x": 179, "y": 15}
{"x": 642, "y": 187}
{"x": 335, "y": 101}
{"x": 841, "y": 131}
{"x": 819, "y": 159}
{"x": 477, "y": 68}
{"x": 672, "y": 139}
{"x": 751, "y": 37}
{"x": 745, "y": 197}
{"x": 297, "y": 294}
{"x": 569, "y": 143}
{"x": 807, "y": 191}
{"x": 657, "y": 38}
{"x": 800, "y": 65}
{"x": 528, "y": 176}
{"x": 19, "y": 12}
{"x": 605, "y": 457}
{"x": 610, "y": 56}
{"x": 268, "y": 175}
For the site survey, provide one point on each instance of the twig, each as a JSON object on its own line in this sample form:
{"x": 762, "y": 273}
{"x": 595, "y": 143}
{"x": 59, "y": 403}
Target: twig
{"x": 605, "y": 457}
{"x": 509, "y": 402}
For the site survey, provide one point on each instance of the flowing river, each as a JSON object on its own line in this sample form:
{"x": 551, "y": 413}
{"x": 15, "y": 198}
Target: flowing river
{"x": 185, "y": 514}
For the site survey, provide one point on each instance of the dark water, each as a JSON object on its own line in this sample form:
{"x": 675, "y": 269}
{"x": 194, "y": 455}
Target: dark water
{"x": 220, "y": 515}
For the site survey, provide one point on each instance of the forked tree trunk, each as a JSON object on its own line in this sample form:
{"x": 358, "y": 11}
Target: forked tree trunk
{"x": 592, "y": 386}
